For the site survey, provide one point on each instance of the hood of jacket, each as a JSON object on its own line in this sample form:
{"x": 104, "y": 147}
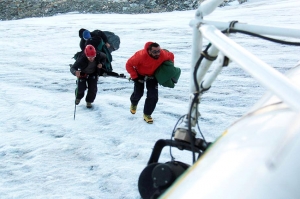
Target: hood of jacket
{"x": 147, "y": 45}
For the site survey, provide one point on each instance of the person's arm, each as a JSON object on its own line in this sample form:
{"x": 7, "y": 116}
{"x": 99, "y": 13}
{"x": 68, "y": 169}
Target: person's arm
{"x": 103, "y": 36}
{"x": 101, "y": 59}
{"x": 170, "y": 56}
{"x": 76, "y": 67}
{"x": 74, "y": 70}
{"x": 130, "y": 67}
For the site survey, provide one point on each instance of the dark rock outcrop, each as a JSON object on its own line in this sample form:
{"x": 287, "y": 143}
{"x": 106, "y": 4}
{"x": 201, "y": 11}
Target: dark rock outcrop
{"x": 18, "y": 9}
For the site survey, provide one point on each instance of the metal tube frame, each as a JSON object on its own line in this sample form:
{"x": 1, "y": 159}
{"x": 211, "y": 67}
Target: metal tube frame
{"x": 269, "y": 77}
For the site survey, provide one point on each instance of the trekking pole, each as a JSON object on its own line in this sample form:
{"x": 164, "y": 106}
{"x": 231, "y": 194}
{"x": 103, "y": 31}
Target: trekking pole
{"x": 76, "y": 95}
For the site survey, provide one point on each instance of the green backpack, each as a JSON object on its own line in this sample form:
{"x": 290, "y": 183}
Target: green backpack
{"x": 102, "y": 47}
{"x": 167, "y": 74}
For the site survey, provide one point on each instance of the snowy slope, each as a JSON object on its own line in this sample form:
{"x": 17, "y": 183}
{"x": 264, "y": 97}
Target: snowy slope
{"x": 45, "y": 153}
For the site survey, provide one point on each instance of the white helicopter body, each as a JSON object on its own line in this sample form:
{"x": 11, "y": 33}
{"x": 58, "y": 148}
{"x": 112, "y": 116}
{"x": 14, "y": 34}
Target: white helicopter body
{"x": 257, "y": 156}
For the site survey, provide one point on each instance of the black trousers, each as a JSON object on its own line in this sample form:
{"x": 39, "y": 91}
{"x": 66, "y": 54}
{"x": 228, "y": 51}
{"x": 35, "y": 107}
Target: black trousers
{"x": 89, "y": 83}
{"x": 151, "y": 98}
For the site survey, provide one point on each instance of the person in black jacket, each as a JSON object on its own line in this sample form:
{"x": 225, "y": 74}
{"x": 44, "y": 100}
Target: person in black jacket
{"x": 87, "y": 68}
{"x": 99, "y": 40}
{"x": 94, "y": 38}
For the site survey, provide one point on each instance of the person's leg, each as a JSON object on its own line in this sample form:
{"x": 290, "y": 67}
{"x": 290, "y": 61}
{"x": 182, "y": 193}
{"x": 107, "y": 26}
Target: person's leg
{"x": 92, "y": 88}
{"x": 137, "y": 94}
{"x": 152, "y": 96}
{"x": 81, "y": 86}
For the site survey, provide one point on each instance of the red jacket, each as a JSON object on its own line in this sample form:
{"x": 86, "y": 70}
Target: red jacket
{"x": 141, "y": 62}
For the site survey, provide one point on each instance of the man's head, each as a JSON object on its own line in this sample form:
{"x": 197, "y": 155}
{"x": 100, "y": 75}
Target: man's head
{"x": 90, "y": 52}
{"x": 154, "y": 50}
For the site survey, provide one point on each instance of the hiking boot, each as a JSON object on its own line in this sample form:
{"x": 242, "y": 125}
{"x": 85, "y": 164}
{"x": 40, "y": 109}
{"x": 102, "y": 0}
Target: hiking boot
{"x": 133, "y": 109}
{"x": 148, "y": 119}
{"x": 77, "y": 101}
{"x": 89, "y": 105}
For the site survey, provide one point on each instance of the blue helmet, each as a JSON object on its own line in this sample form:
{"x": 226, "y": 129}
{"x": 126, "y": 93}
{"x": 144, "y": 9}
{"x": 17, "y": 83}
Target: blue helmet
{"x": 86, "y": 35}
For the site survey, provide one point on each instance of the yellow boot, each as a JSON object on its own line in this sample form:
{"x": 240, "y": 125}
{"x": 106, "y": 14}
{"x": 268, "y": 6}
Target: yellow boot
{"x": 133, "y": 109}
{"x": 89, "y": 105}
{"x": 148, "y": 119}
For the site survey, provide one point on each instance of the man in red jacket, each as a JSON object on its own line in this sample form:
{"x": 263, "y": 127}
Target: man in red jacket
{"x": 141, "y": 67}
